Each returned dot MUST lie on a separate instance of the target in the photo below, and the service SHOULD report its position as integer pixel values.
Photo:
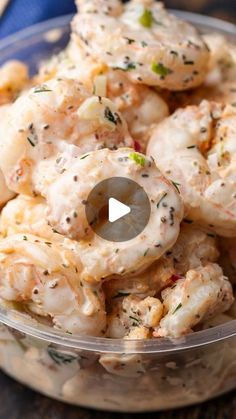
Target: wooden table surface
(18, 402)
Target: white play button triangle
(117, 210)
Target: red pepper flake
(137, 146)
(175, 277)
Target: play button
(118, 209)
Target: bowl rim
(33, 329)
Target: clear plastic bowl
(117, 375)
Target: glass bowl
(99, 373)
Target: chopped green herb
(128, 67)
(41, 89)
(31, 142)
(84, 157)
(137, 321)
(138, 158)
(146, 19)
(110, 116)
(129, 40)
(177, 308)
(144, 44)
(61, 358)
(176, 185)
(160, 69)
(191, 146)
(146, 252)
(211, 235)
(55, 231)
(234, 104)
(189, 62)
(25, 238)
(163, 197)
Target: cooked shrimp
(13, 78)
(141, 38)
(26, 214)
(141, 284)
(219, 83)
(134, 318)
(49, 118)
(222, 62)
(202, 141)
(140, 105)
(45, 277)
(204, 292)
(68, 216)
(102, 258)
(193, 248)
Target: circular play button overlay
(118, 209)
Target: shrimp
(13, 78)
(68, 216)
(26, 214)
(219, 84)
(134, 318)
(102, 258)
(222, 62)
(141, 107)
(55, 116)
(45, 277)
(202, 141)
(142, 39)
(204, 293)
(193, 248)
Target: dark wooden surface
(18, 402)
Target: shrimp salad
(137, 93)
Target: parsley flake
(138, 158)
(163, 197)
(128, 67)
(146, 19)
(42, 89)
(160, 69)
(31, 142)
(176, 185)
(110, 116)
(177, 308)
